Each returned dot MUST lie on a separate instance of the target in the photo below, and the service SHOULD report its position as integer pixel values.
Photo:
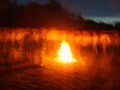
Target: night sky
(99, 10)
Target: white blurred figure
(104, 41)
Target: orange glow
(65, 54)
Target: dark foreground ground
(61, 77)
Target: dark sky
(89, 8)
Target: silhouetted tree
(52, 14)
(7, 10)
(117, 26)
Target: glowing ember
(65, 54)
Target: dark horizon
(51, 14)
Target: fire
(65, 54)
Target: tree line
(51, 14)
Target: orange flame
(65, 54)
